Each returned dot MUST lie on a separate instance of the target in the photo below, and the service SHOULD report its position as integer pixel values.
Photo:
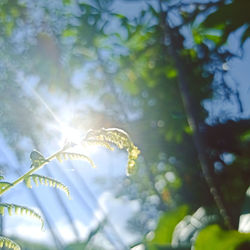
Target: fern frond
(118, 137)
(47, 181)
(74, 156)
(98, 143)
(113, 135)
(6, 242)
(20, 210)
(3, 184)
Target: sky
(238, 78)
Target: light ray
(68, 133)
(48, 108)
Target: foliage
(166, 225)
(135, 71)
(117, 136)
(29, 245)
(121, 139)
(74, 156)
(21, 210)
(228, 18)
(47, 181)
(219, 239)
(5, 242)
(153, 83)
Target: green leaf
(74, 156)
(20, 210)
(213, 237)
(4, 184)
(98, 143)
(202, 33)
(166, 225)
(228, 18)
(6, 242)
(69, 33)
(119, 138)
(171, 72)
(120, 16)
(245, 137)
(216, 39)
(66, 2)
(27, 182)
(198, 39)
(44, 180)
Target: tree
(174, 80)
(152, 76)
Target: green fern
(74, 156)
(98, 143)
(20, 210)
(3, 184)
(103, 137)
(6, 242)
(118, 137)
(47, 181)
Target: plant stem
(31, 171)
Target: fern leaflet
(118, 137)
(20, 210)
(6, 242)
(3, 184)
(74, 156)
(47, 181)
(98, 143)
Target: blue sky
(238, 78)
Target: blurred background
(174, 75)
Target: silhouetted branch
(193, 119)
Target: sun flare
(75, 136)
(70, 135)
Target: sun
(75, 136)
(70, 135)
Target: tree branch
(192, 117)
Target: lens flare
(70, 135)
